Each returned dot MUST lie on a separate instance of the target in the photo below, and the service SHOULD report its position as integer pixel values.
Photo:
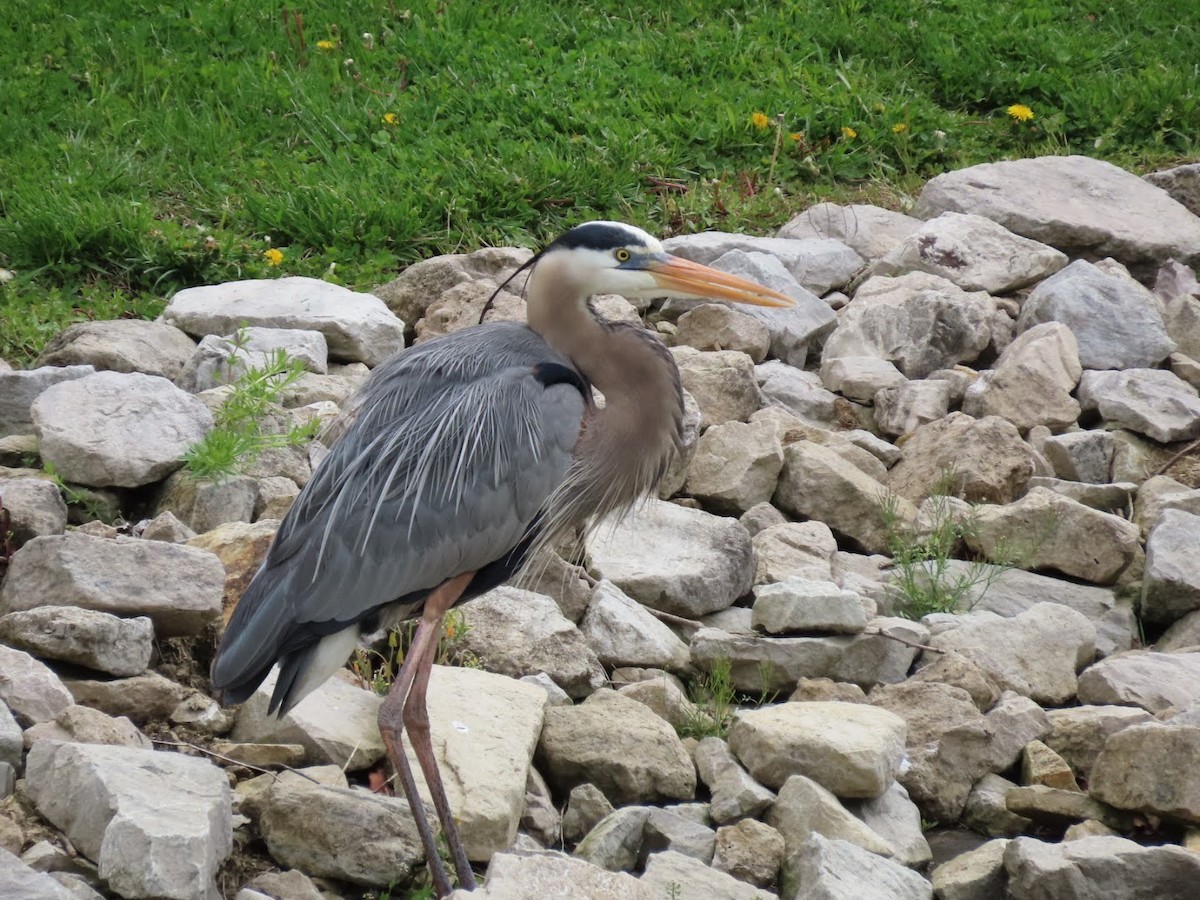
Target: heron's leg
(390, 727)
(416, 723)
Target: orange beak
(673, 273)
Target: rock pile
(783, 677)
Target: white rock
(18, 880)
(722, 383)
(716, 327)
(871, 231)
(30, 688)
(905, 407)
(860, 378)
(802, 605)
(518, 877)
(819, 263)
(804, 808)
(1171, 584)
(675, 875)
(622, 633)
(897, 820)
(838, 870)
(1153, 402)
(1032, 381)
(21, 387)
(735, 466)
(1097, 867)
(798, 392)
(1154, 681)
(82, 636)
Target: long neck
(625, 447)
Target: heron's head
(614, 258)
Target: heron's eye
(622, 255)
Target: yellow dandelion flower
(899, 128)
(273, 257)
(849, 133)
(326, 45)
(1020, 112)
(797, 136)
(759, 120)
(390, 118)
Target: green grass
(151, 146)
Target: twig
(670, 619)
(229, 759)
(905, 641)
(1178, 456)
(661, 184)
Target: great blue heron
(462, 456)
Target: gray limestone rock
(896, 819)
(1153, 402)
(826, 869)
(30, 689)
(870, 231)
(615, 842)
(750, 851)
(21, 881)
(139, 698)
(1081, 456)
(1031, 383)
(19, 388)
(586, 806)
(358, 327)
(35, 508)
(716, 327)
(986, 810)
(113, 429)
(820, 264)
(735, 466)
(1171, 584)
(722, 382)
(800, 605)
(158, 824)
(763, 664)
(687, 878)
(1145, 678)
(1079, 733)
(84, 637)
(111, 576)
(1149, 768)
(735, 795)
(1181, 182)
(1098, 867)
(905, 407)
(975, 875)
(794, 550)
(804, 808)
(223, 360)
(860, 378)
(121, 345)
(621, 632)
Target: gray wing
(453, 449)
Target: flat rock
(820, 264)
(113, 429)
(670, 874)
(1153, 402)
(223, 360)
(871, 231)
(804, 808)
(615, 842)
(797, 392)
(1082, 206)
(905, 407)
(1097, 867)
(621, 632)
(157, 824)
(139, 698)
(681, 561)
(975, 253)
(850, 749)
(84, 725)
(802, 605)
(205, 504)
(419, 285)
(1031, 383)
(1080, 456)
(975, 875)
(1056, 808)
(918, 321)
(358, 327)
(336, 723)
(84, 637)
(1148, 768)
(826, 869)
(763, 664)
(1115, 320)
(516, 632)
(20, 387)
(860, 378)
(669, 830)
(794, 550)
(1171, 584)
(1036, 653)
(1148, 679)
(121, 345)
(513, 876)
(618, 745)
(241, 548)
(1045, 530)
(29, 688)
(1181, 182)
(112, 576)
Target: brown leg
(392, 716)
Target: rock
(1082, 206)
(1153, 402)
(1031, 383)
(618, 745)
(515, 632)
(332, 832)
(804, 808)
(512, 877)
(1154, 681)
(358, 327)
(975, 253)
(1036, 653)
(36, 508)
(1160, 493)
(140, 698)
(290, 885)
(21, 881)
(1114, 319)
(21, 387)
(870, 231)
(1045, 530)
(760, 517)
(896, 819)
(959, 671)
(989, 461)
(1015, 723)
(792, 332)
(975, 875)
(715, 327)
(905, 407)
(1171, 584)
(750, 851)
(117, 430)
(423, 282)
(205, 715)
(826, 869)
(1082, 456)
(268, 756)
(822, 689)
(668, 830)
(241, 548)
(205, 503)
(1052, 808)
(616, 840)
(919, 322)
(1042, 766)
(586, 806)
(121, 345)
(276, 495)
(668, 701)
(1097, 867)
(336, 723)
(948, 744)
(111, 576)
(1113, 497)
(765, 664)
(722, 383)
(850, 749)
(462, 305)
(818, 483)
(672, 874)
(860, 378)
(81, 636)
(540, 820)
(1147, 768)
(986, 810)
(818, 264)
(622, 633)
(84, 725)
(802, 605)
(158, 824)
(1080, 732)
(29, 688)
(794, 550)
(789, 390)
(223, 360)
(735, 466)
(735, 795)
(1182, 183)
(681, 561)
(166, 527)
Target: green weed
(713, 696)
(378, 668)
